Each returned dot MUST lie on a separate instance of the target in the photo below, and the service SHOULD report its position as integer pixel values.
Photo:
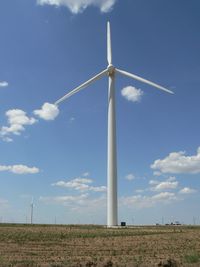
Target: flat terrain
(65, 245)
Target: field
(73, 245)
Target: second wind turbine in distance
(111, 71)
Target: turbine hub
(111, 69)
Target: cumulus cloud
(130, 177)
(170, 183)
(19, 117)
(80, 184)
(78, 6)
(164, 196)
(139, 201)
(84, 202)
(3, 84)
(7, 139)
(157, 173)
(16, 120)
(47, 112)
(171, 178)
(153, 182)
(19, 169)
(132, 94)
(86, 174)
(166, 185)
(178, 162)
(65, 200)
(79, 203)
(140, 190)
(187, 190)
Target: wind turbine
(31, 215)
(111, 71)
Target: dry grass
(59, 246)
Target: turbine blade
(135, 77)
(80, 87)
(109, 47)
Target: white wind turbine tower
(31, 215)
(111, 71)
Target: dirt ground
(77, 246)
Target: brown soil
(59, 246)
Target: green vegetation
(47, 232)
(193, 257)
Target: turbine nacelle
(110, 69)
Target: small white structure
(111, 71)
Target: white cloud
(47, 112)
(153, 182)
(156, 173)
(130, 177)
(16, 119)
(171, 178)
(84, 202)
(166, 185)
(80, 184)
(164, 196)
(19, 117)
(170, 183)
(187, 190)
(65, 200)
(12, 129)
(86, 174)
(140, 190)
(78, 6)
(139, 201)
(7, 139)
(79, 203)
(19, 169)
(3, 84)
(178, 162)
(91, 205)
(101, 188)
(106, 5)
(132, 94)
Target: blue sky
(57, 155)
